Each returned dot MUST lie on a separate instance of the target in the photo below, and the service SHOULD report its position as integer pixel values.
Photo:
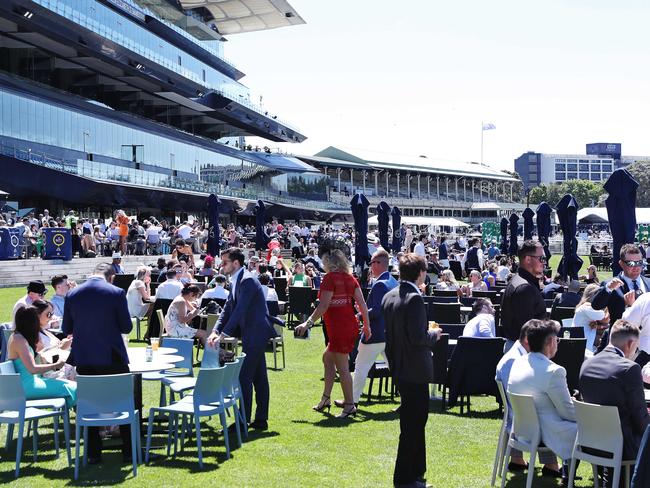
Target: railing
(405, 202)
(90, 169)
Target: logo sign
(211, 232)
(58, 240)
(15, 242)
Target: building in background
(596, 165)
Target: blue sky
(418, 77)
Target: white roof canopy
(237, 16)
(600, 213)
(435, 221)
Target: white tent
(434, 221)
(599, 214)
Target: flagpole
(482, 142)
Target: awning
(595, 215)
(434, 221)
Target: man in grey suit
(408, 346)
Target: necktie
(636, 286)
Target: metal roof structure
(435, 221)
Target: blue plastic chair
(106, 400)
(15, 410)
(6, 334)
(178, 385)
(184, 369)
(207, 400)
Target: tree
(538, 194)
(587, 193)
(641, 172)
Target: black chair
(274, 308)
(153, 286)
(445, 293)
(381, 371)
(571, 354)
(472, 368)
(454, 331)
(153, 325)
(444, 313)
(202, 279)
(491, 294)
(437, 299)
(280, 285)
(561, 313)
(440, 356)
(467, 301)
(548, 302)
(455, 268)
(301, 302)
(220, 301)
(123, 281)
(574, 332)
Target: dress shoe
(516, 467)
(551, 473)
(341, 404)
(259, 425)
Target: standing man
(370, 349)
(96, 313)
(522, 299)
(621, 291)
(473, 258)
(245, 315)
(408, 346)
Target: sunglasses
(634, 264)
(542, 259)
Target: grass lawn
(302, 448)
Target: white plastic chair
(599, 427)
(525, 433)
(567, 322)
(207, 400)
(275, 342)
(15, 410)
(106, 400)
(499, 456)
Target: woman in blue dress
(21, 349)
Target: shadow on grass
(435, 406)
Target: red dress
(340, 320)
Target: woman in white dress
(592, 321)
(139, 293)
(181, 312)
(447, 281)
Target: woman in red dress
(336, 307)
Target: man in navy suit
(245, 315)
(620, 292)
(96, 313)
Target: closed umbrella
(396, 214)
(213, 225)
(567, 213)
(261, 239)
(621, 211)
(383, 216)
(360, 204)
(544, 211)
(514, 231)
(504, 236)
(528, 223)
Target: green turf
(302, 448)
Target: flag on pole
(488, 126)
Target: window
(595, 176)
(560, 167)
(607, 167)
(571, 176)
(583, 160)
(584, 176)
(532, 167)
(532, 158)
(203, 75)
(595, 168)
(560, 176)
(584, 167)
(560, 160)
(572, 167)
(180, 61)
(571, 160)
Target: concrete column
(408, 185)
(387, 177)
(438, 187)
(512, 185)
(456, 183)
(465, 190)
(338, 173)
(473, 188)
(418, 185)
(447, 186)
(363, 175)
(398, 183)
(376, 184)
(352, 181)
(428, 186)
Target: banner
(491, 231)
(57, 243)
(10, 242)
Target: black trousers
(411, 463)
(94, 441)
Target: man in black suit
(612, 378)
(522, 299)
(408, 347)
(569, 298)
(620, 292)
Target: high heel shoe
(348, 412)
(323, 404)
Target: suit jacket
(534, 374)
(566, 299)
(245, 314)
(522, 300)
(610, 379)
(408, 338)
(614, 300)
(383, 285)
(96, 313)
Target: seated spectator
(554, 287)
(47, 340)
(504, 269)
(612, 378)
(62, 286)
(592, 276)
(434, 266)
(181, 312)
(253, 263)
(99, 239)
(475, 283)
(536, 375)
(274, 253)
(21, 350)
(281, 269)
(216, 289)
(183, 252)
(171, 287)
(207, 269)
(35, 291)
(313, 258)
(569, 298)
(482, 325)
(138, 295)
(592, 321)
(116, 264)
(298, 277)
(490, 276)
(270, 294)
(447, 281)
(186, 276)
(313, 274)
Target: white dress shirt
(233, 281)
(639, 315)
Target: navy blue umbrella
(514, 231)
(528, 223)
(621, 211)
(544, 212)
(383, 216)
(396, 214)
(567, 213)
(504, 236)
(261, 239)
(213, 229)
(360, 204)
